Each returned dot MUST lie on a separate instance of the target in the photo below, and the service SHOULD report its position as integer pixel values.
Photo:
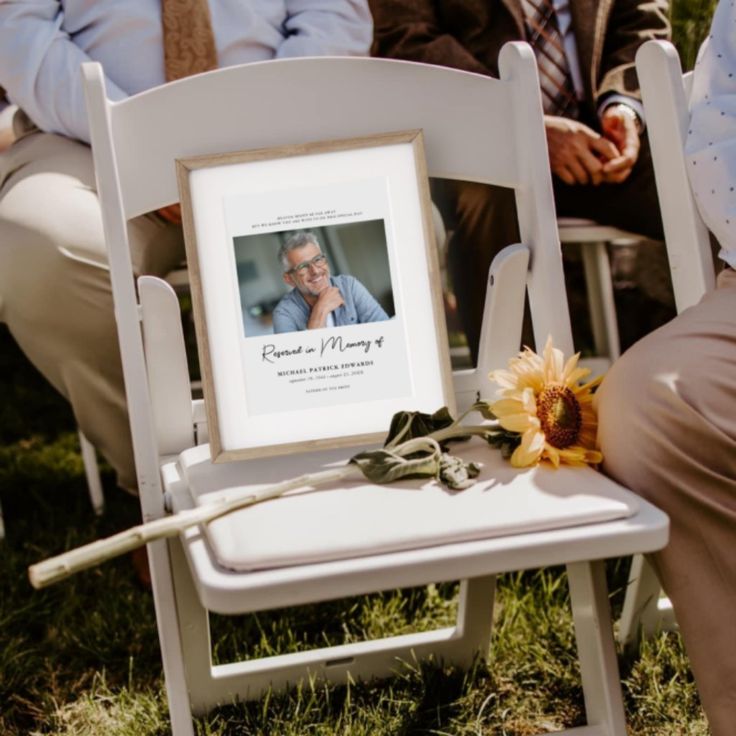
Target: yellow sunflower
(543, 401)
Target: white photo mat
(269, 392)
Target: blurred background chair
(595, 241)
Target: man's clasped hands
(580, 155)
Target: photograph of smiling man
(318, 299)
(315, 278)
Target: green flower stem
(428, 443)
(456, 431)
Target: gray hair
(297, 240)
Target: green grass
(690, 24)
(81, 658)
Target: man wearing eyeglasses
(318, 299)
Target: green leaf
(456, 473)
(406, 455)
(384, 466)
(406, 425)
(484, 409)
(417, 458)
(504, 440)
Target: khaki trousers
(667, 429)
(55, 290)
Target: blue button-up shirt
(292, 312)
(44, 42)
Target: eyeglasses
(318, 262)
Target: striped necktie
(543, 33)
(189, 42)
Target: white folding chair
(666, 93)
(475, 128)
(594, 238)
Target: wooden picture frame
(286, 365)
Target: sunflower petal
(529, 451)
(571, 367)
(577, 455)
(518, 422)
(529, 401)
(553, 362)
(504, 407)
(504, 379)
(552, 454)
(575, 376)
(588, 387)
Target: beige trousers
(55, 291)
(667, 429)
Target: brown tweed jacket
(468, 35)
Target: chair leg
(644, 611)
(163, 562)
(92, 473)
(604, 705)
(600, 298)
(194, 629)
(474, 619)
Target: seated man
(598, 153)
(55, 293)
(667, 409)
(318, 299)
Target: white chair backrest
(666, 93)
(475, 128)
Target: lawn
(82, 658)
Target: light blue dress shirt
(43, 43)
(359, 306)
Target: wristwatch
(630, 112)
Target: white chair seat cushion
(360, 518)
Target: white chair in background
(594, 239)
(475, 128)
(92, 474)
(666, 93)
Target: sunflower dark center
(559, 414)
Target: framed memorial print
(316, 293)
